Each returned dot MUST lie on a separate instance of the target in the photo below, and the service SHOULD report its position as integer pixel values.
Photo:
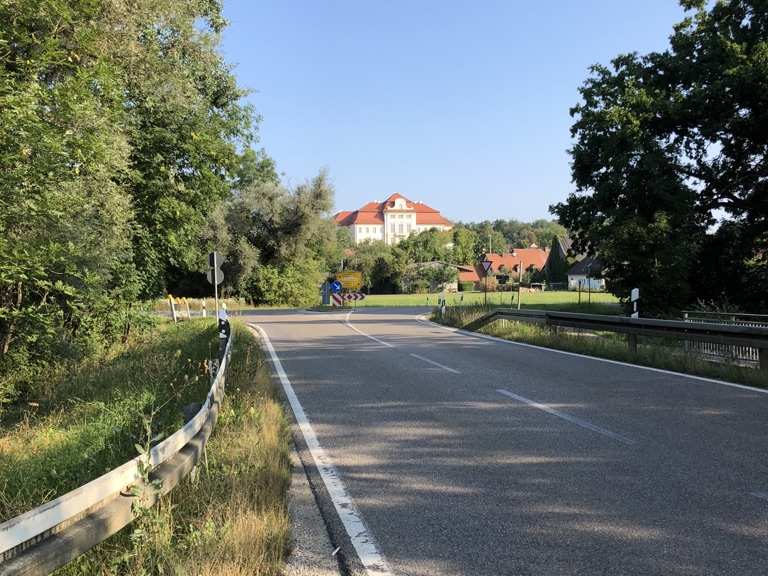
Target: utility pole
(519, 283)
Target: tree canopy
(126, 154)
(669, 160)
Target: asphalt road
(474, 457)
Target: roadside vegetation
(127, 154)
(85, 418)
(654, 352)
(601, 302)
(230, 517)
(669, 166)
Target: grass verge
(653, 352)
(601, 302)
(86, 418)
(230, 517)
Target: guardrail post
(763, 359)
(551, 325)
(632, 342)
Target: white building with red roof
(391, 220)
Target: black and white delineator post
(634, 299)
(224, 328)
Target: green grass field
(563, 300)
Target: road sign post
(486, 268)
(215, 276)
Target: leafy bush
(295, 285)
(466, 286)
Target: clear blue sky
(462, 105)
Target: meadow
(597, 302)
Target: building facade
(390, 221)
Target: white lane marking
(346, 320)
(761, 495)
(443, 366)
(566, 417)
(422, 318)
(387, 344)
(362, 538)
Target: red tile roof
(342, 217)
(535, 257)
(373, 213)
(468, 274)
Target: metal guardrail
(736, 354)
(51, 535)
(725, 334)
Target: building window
(392, 228)
(400, 228)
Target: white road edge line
(567, 417)
(362, 539)
(428, 361)
(761, 495)
(422, 318)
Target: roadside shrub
(491, 282)
(295, 285)
(466, 286)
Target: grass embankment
(654, 352)
(601, 302)
(87, 417)
(231, 517)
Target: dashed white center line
(567, 417)
(443, 366)
(388, 345)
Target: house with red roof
(391, 220)
(510, 263)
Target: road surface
(469, 456)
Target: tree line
(127, 153)
(392, 269)
(670, 162)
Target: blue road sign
(335, 286)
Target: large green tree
(120, 131)
(666, 142)
(274, 240)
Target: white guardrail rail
(34, 526)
